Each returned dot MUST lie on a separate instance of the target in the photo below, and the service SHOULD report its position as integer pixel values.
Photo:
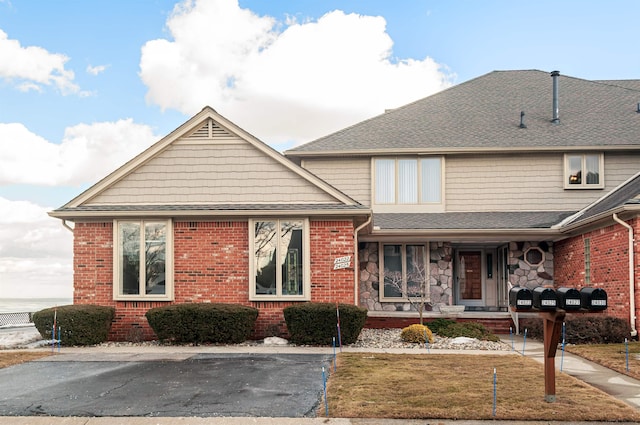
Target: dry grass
(612, 356)
(10, 358)
(368, 385)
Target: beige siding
(519, 182)
(223, 170)
(350, 176)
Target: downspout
(632, 286)
(64, 223)
(356, 263)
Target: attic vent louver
(556, 110)
(522, 124)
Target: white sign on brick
(342, 262)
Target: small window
(534, 256)
(404, 272)
(587, 261)
(280, 259)
(584, 171)
(143, 255)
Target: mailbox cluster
(548, 299)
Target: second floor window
(408, 180)
(583, 171)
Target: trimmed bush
(468, 329)
(583, 329)
(198, 323)
(416, 333)
(439, 323)
(316, 323)
(81, 324)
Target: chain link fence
(15, 318)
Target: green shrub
(584, 329)
(202, 323)
(439, 323)
(81, 324)
(468, 329)
(316, 323)
(416, 333)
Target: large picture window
(584, 171)
(280, 259)
(143, 266)
(408, 181)
(404, 271)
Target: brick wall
(609, 264)
(211, 264)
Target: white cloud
(35, 252)
(87, 153)
(282, 80)
(95, 70)
(32, 67)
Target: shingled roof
(626, 195)
(483, 114)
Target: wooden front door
(470, 282)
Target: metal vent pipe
(556, 109)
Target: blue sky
(86, 85)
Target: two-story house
(478, 186)
(515, 178)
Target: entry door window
(470, 276)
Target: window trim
(306, 263)
(583, 184)
(169, 278)
(403, 254)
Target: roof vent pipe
(522, 124)
(638, 110)
(556, 111)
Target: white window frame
(169, 254)
(583, 184)
(403, 253)
(306, 263)
(421, 204)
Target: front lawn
(460, 386)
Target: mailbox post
(551, 306)
(552, 327)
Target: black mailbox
(544, 298)
(594, 298)
(520, 298)
(569, 298)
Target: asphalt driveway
(205, 385)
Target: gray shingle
(211, 208)
(484, 113)
(472, 221)
(629, 193)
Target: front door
(469, 276)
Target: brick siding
(609, 264)
(211, 264)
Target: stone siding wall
(440, 278)
(531, 264)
